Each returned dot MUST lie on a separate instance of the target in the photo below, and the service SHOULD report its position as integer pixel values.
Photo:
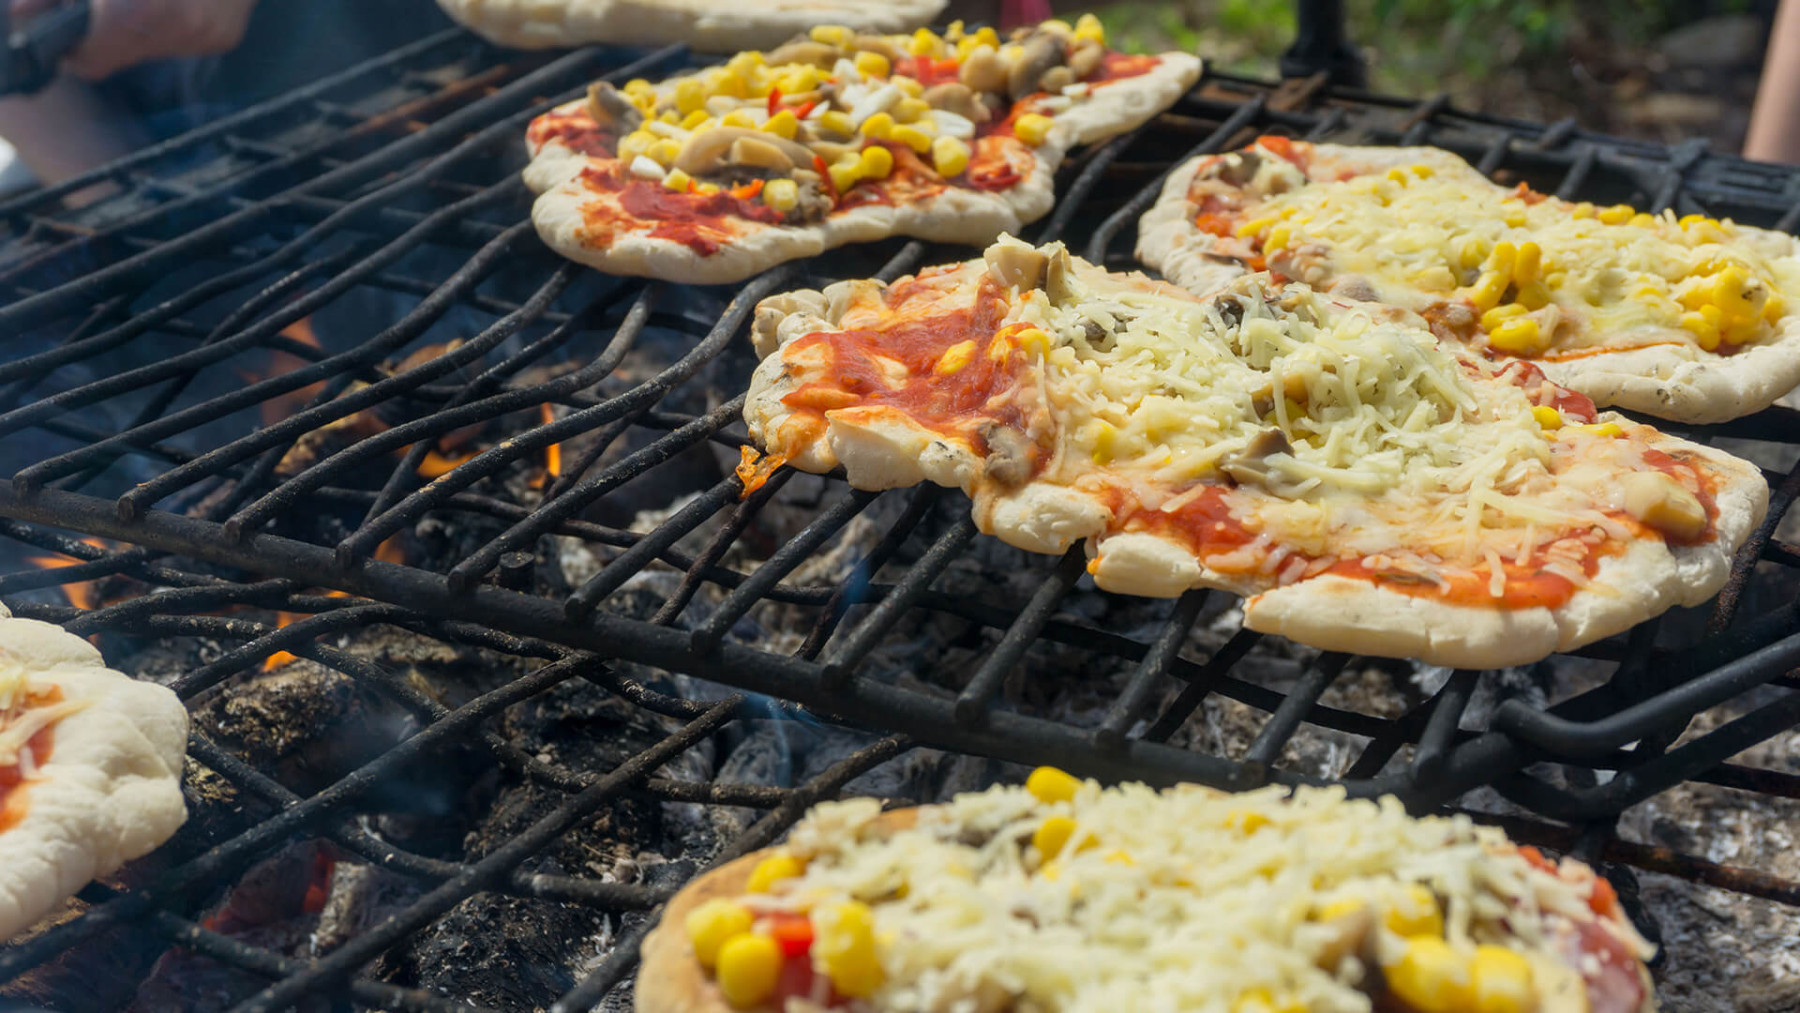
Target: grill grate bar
(652, 546)
(972, 703)
(1200, 683)
(1155, 665)
(1440, 727)
(919, 502)
(1282, 724)
(842, 661)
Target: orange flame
(282, 405)
(552, 453)
(280, 658)
(389, 551)
(81, 594)
(434, 464)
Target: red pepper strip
(807, 107)
(748, 191)
(825, 176)
(793, 932)
(774, 100)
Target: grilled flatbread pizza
(710, 26)
(1061, 896)
(1691, 319)
(1367, 485)
(90, 768)
(833, 138)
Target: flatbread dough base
(712, 26)
(111, 790)
(879, 448)
(953, 215)
(1673, 380)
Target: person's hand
(124, 33)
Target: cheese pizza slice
(1691, 319)
(90, 768)
(1061, 896)
(1367, 485)
(833, 138)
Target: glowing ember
(282, 405)
(81, 594)
(435, 464)
(552, 453)
(389, 551)
(280, 658)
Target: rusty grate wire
(395, 185)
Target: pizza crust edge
(111, 791)
(718, 26)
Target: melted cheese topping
(1593, 276)
(1183, 899)
(20, 718)
(1389, 443)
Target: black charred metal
(383, 206)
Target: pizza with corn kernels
(1691, 319)
(1061, 896)
(1368, 486)
(835, 137)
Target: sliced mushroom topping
(1349, 933)
(982, 70)
(1057, 276)
(1008, 454)
(1354, 286)
(816, 54)
(1041, 52)
(759, 154)
(610, 109)
(840, 295)
(1250, 466)
(1238, 168)
(877, 44)
(956, 97)
(705, 150)
(772, 311)
(1056, 79)
(1086, 57)
(1231, 308)
(1017, 266)
(1097, 336)
(1663, 504)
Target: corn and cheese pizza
(1691, 319)
(1369, 486)
(833, 138)
(711, 26)
(90, 768)
(1063, 896)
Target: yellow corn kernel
(1607, 429)
(783, 124)
(638, 86)
(846, 172)
(664, 152)
(1416, 915)
(1547, 417)
(1501, 259)
(1534, 296)
(912, 137)
(706, 189)
(908, 110)
(1278, 238)
(878, 126)
(875, 162)
(1033, 340)
(1502, 981)
(781, 194)
(1261, 1000)
(749, 966)
(1689, 221)
(1048, 784)
(690, 95)
(1515, 216)
(845, 945)
(1032, 128)
(1773, 308)
(738, 118)
(1088, 27)
(711, 924)
(1052, 835)
(803, 77)
(1399, 175)
(1582, 210)
(634, 144)
(1705, 332)
(1246, 822)
(694, 119)
(1432, 977)
(909, 87)
(836, 121)
(1051, 871)
(1253, 226)
(1519, 335)
(772, 870)
(744, 64)
(1505, 311)
(1338, 909)
(1528, 263)
(1642, 220)
(832, 35)
(949, 156)
(1119, 857)
(872, 64)
(1423, 171)
(677, 180)
(956, 356)
(925, 42)
(1488, 289)
(1618, 214)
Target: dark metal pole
(1320, 45)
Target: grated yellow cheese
(19, 721)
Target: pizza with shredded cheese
(712, 26)
(90, 768)
(1063, 896)
(832, 138)
(1691, 318)
(1369, 486)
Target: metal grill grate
(386, 201)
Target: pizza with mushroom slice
(1692, 319)
(1063, 896)
(833, 138)
(90, 768)
(1368, 486)
(711, 26)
